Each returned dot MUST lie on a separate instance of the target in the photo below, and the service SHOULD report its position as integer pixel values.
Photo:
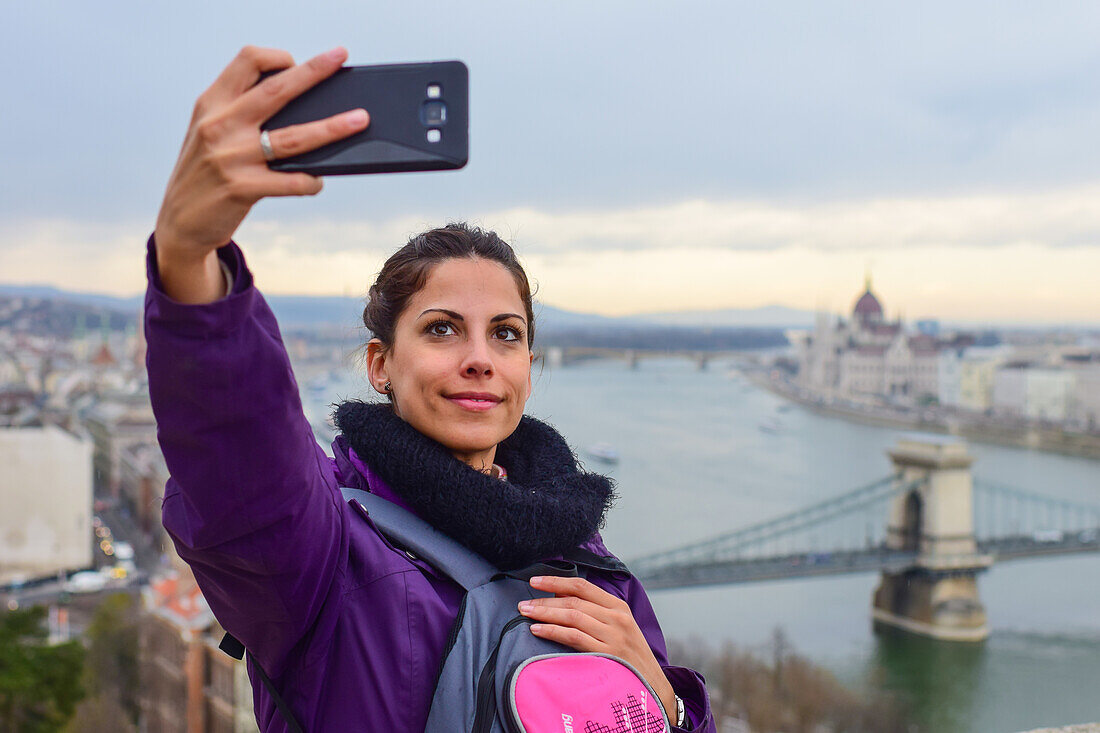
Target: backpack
(495, 675)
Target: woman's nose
(478, 358)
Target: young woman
(350, 631)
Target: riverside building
(867, 356)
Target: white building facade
(1084, 406)
(46, 485)
(1039, 393)
(867, 356)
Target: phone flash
(434, 136)
(435, 91)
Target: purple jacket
(351, 631)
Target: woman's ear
(376, 365)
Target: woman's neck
(480, 461)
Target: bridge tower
(937, 595)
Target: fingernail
(357, 116)
(537, 580)
(536, 628)
(525, 606)
(337, 53)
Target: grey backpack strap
(410, 532)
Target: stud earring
(387, 387)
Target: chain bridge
(929, 528)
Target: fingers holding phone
(263, 99)
(292, 140)
(241, 75)
(314, 122)
(222, 171)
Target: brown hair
(407, 269)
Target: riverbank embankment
(977, 428)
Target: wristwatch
(679, 712)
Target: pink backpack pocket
(581, 693)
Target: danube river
(694, 463)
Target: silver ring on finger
(265, 145)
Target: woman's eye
(507, 333)
(441, 328)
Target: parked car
(86, 581)
(124, 551)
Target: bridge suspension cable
(728, 546)
(1003, 511)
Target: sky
(641, 157)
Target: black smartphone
(418, 119)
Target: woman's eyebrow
(506, 316)
(458, 317)
(452, 314)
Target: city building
(1084, 406)
(976, 375)
(867, 356)
(1029, 391)
(966, 376)
(115, 424)
(46, 483)
(142, 477)
(188, 684)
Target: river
(695, 463)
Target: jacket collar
(547, 507)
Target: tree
(100, 713)
(39, 683)
(779, 690)
(111, 666)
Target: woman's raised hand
(221, 171)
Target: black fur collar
(546, 507)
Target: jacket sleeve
(252, 504)
(688, 684)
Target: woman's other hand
(221, 171)
(589, 619)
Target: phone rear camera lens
(433, 113)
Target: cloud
(77, 255)
(1023, 283)
(995, 256)
(1066, 217)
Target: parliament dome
(868, 306)
(867, 309)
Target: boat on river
(604, 452)
(771, 426)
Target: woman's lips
(475, 402)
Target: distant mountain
(549, 318)
(45, 315)
(297, 310)
(49, 292)
(769, 316)
(303, 311)
(291, 310)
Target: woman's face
(459, 365)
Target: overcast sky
(640, 156)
